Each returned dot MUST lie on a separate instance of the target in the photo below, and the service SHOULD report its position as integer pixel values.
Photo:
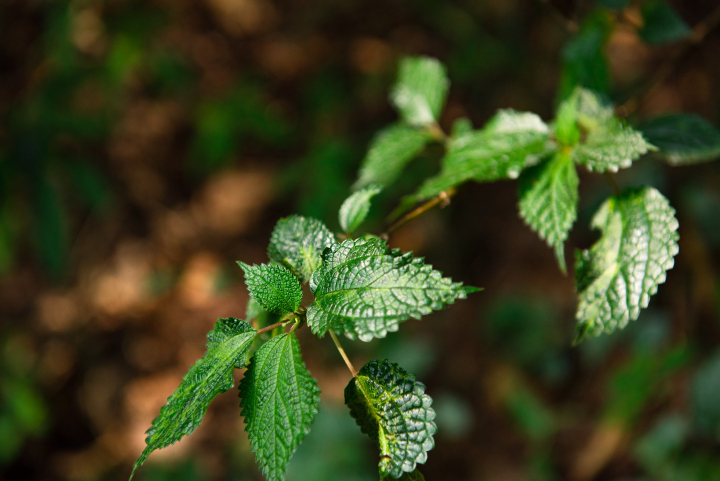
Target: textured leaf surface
(393, 409)
(420, 91)
(510, 142)
(279, 402)
(683, 138)
(662, 24)
(549, 200)
(356, 207)
(298, 242)
(365, 290)
(616, 277)
(227, 348)
(609, 144)
(273, 286)
(390, 151)
(414, 476)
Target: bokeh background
(147, 145)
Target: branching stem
(342, 353)
(442, 199)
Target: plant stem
(610, 178)
(272, 326)
(443, 199)
(342, 353)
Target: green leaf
(227, 348)
(585, 63)
(390, 151)
(420, 91)
(273, 286)
(682, 138)
(510, 142)
(365, 289)
(414, 476)
(298, 242)
(616, 277)
(609, 145)
(279, 402)
(356, 207)
(549, 200)
(393, 409)
(566, 128)
(662, 24)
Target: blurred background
(147, 145)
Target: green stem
(442, 199)
(342, 353)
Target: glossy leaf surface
(616, 277)
(510, 142)
(356, 207)
(390, 151)
(279, 402)
(227, 348)
(394, 411)
(549, 200)
(365, 290)
(273, 286)
(298, 242)
(420, 91)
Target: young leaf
(390, 151)
(279, 402)
(414, 476)
(420, 91)
(682, 138)
(549, 200)
(609, 144)
(616, 276)
(273, 286)
(365, 289)
(298, 242)
(585, 63)
(662, 24)
(510, 142)
(356, 207)
(227, 348)
(393, 409)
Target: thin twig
(442, 199)
(342, 353)
(667, 68)
(272, 326)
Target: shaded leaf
(393, 409)
(356, 207)
(390, 151)
(616, 277)
(585, 62)
(609, 144)
(549, 200)
(279, 402)
(273, 286)
(661, 23)
(510, 142)
(414, 476)
(682, 138)
(298, 242)
(420, 91)
(227, 348)
(365, 290)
